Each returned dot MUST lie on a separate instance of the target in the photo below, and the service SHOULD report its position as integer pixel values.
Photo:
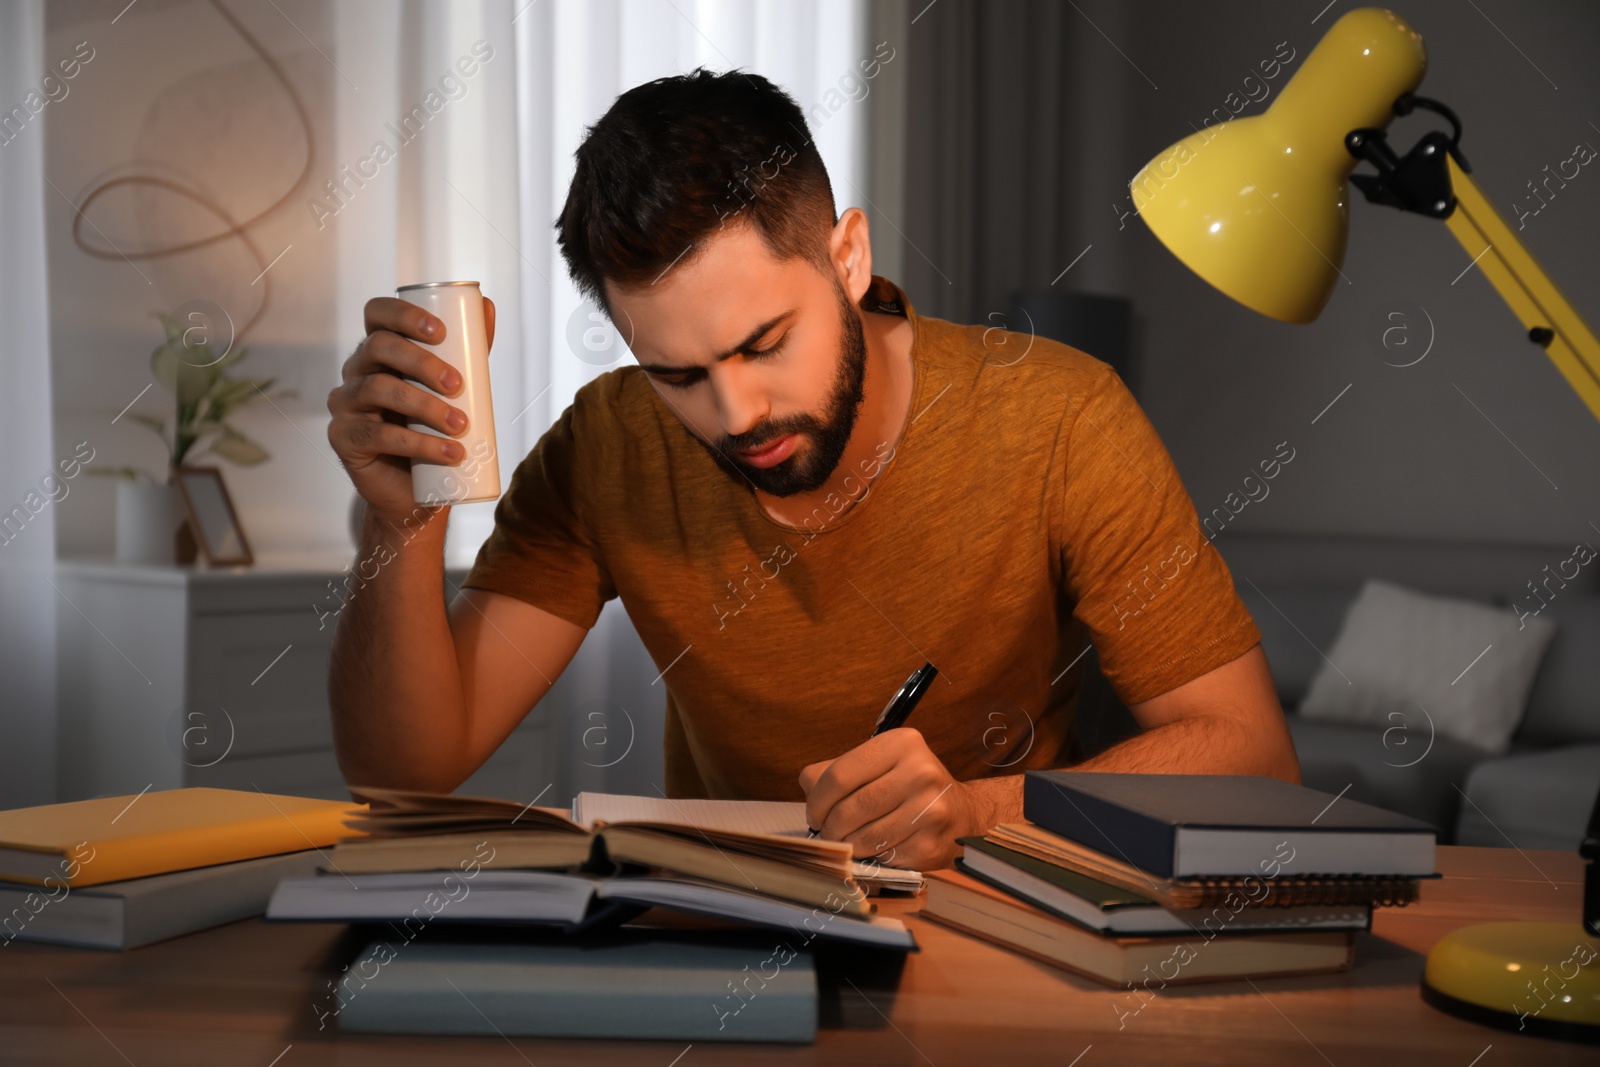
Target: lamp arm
(1532, 296)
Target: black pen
(895, 713)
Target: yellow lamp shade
(1259, 207)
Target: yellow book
(108, 839)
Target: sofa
(1539, 792)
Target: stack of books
(535, 909)
(120, 872)
(496, 861)
(1134, 879)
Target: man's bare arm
(420, 698)
(1227, 721)
(394, 684)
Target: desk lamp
(1258, 207)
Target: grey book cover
(138, 911)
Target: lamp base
(1528, 977)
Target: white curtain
(481, 199)
(473, 195)
(574, 57)
(577, 56)
(481, 203)
(30, 482)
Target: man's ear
(850, 249)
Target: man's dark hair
(675, 159)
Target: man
(803, 491)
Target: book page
(784, 818)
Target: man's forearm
(1202, 745)
(394, 684)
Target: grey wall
(1481, 441)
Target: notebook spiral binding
(1325, 890)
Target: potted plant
(151, 526)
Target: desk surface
(243, 994)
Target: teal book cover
(631, 984)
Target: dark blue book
(1231, 826)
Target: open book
(574, 900)
(772, 817)
(742, 844)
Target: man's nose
(740, 398)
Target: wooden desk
(242, 994)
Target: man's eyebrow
(754, 336)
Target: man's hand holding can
(397, 380)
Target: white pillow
(1468, 665)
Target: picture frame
(212, 518)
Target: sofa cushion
(1466, 665)
(1400, 767)
(1541, 800)
(1564, 707)
(1295, 621)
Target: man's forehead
(719, 260)
(696, 325)
(664, 353)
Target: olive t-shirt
(1027, 509)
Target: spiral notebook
(1282, 891)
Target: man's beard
(807, 469)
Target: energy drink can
(459, 305)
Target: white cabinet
(188, 676)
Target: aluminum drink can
(459, 305)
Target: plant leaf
(171, 326)
(193, 383)
(239, 449)
(232, 356)
(236, 393)
(164, 364)
(202, 429)
(153, 423)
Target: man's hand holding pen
(894, 801)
